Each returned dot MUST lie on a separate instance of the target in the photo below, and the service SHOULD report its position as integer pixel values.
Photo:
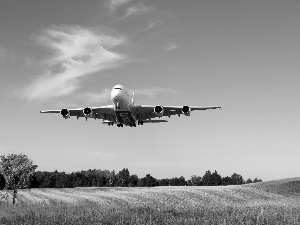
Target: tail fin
(133, 98)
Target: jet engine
(87, 112)
(65, 113)
(186, 110)
(159, 110)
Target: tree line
(18, 171)
(106, 178)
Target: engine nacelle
(186, 110)
(159, 110)
(88, 112)
(65, 113)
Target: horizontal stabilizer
(155, 121)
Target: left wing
(152, 111)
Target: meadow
(274, 202)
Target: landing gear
(132, 125)
(110, 123)
(120, 125)
(140, 122)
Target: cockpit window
(118, 88)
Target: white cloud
(154, 91)
(150, 25)
(171, 46)
(5, 54)
(137, 9)
(79, 52)
(114, 4)
(102, 96)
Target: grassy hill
(273, 202)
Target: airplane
(125, 112)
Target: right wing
(155, 121)
(102, 112)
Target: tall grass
(266, 203)
(88, 212)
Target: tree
(17, 171)
(237, 179)
(2, 182)
(195, 181)
(227, 181)
(133, 180)
(206, 179)
(112, 179)
(123, 177)
(164, 182)
(148, 181)
(216, 179)
(249, 181)
(257, 180)
(175, 181)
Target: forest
(106, 178)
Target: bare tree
(17, 171)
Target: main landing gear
(120, 125)
(140, 122)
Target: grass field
(275, 202)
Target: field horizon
(271, 190)
(275, 201)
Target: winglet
(133, 98)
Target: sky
(241, 55)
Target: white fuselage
(120, 98)
(122, 102)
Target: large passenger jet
(125, 112)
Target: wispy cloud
(100, 97)
(114, 4)
(171, 46)
(154, 91)
(150, 25)
(137, 9)
(5, 54)
(79, 52)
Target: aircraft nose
(114, 94)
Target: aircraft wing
(155, 121)
(172, 108)
(96, 112)
(148, 111)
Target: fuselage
(122, 106)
